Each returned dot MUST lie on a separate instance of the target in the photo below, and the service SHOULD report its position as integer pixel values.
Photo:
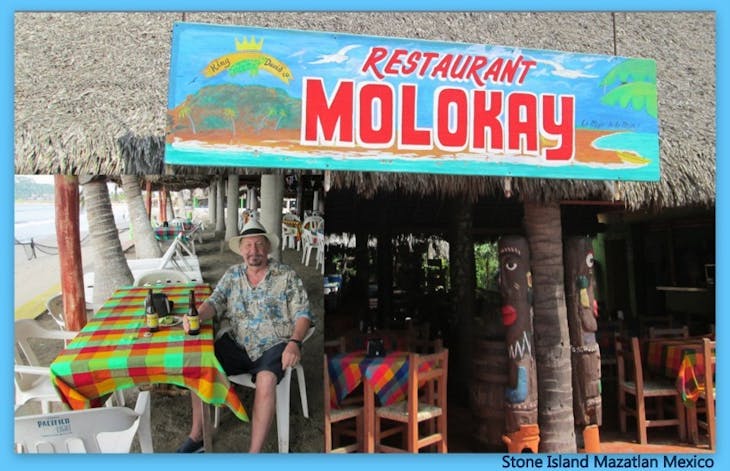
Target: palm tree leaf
(636, 69)
(640, 95)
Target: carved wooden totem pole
(515, 285)
(585, 355)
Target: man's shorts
(235, 360)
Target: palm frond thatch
(91, 91)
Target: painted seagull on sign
(338, 57)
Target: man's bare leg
(196, 430)
(264, 405)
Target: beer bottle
(151, 318)
(193, 319)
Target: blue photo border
(321, 461)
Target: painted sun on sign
(333, 101)
(248, 58)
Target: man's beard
(256, 260)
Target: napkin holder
(163, 304)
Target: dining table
(682, 361)
(384, 380)
(170, 232)
(115, 350)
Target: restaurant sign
(254, 97)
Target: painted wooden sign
(254, 97)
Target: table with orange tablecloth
(115, 351)
(683, 361)
(383, 378)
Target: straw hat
(251, 229)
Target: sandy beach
(38, 278)
(171, 408)
(37, 271)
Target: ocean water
(233, 156)
(36, 220)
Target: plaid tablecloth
(387, 375)
(112, 352)
(681, 361)
(169, 233)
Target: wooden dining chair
(707, 393)
(425, 403)
(336, 345)
(632, 382)
(338, 421)
(669, 332)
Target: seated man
(263, 314)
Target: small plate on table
(169, 321)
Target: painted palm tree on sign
(186, 112)
(145, 244)
(637, 79)
(231, 114)
(277, 112)
(110, 265)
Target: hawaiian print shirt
(262, 316)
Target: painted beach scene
(243, 96)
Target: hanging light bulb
(508, 187)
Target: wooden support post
(148, 199)
(163, 205)
(66, 190)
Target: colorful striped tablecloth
(112, 352)
(387, 375)
(681, 361)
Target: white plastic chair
(289, 231)
(102, 430)
(55, 309)
(313, 241)
(161, 278)
(32, 380)
(283, 394)
(313, 223)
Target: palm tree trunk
(463, 276)
(552, 340)
(110, 266)
(145, 244)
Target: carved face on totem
(515, 285)
(515, 281)
(584, 283)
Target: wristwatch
(298, 342)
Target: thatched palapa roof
(91, 91)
